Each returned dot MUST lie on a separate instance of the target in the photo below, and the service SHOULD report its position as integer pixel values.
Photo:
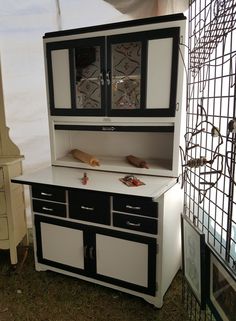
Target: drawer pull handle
(45, 194)
(133, 207)
(47, 209)
(91, 254)
(133, 224)
(85, 251)
(87, 208)
(110, 128)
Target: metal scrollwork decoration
(207, 168)
(210, 31)
(231, 154)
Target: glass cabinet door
(124, 70)
(89, 78)
(126, 75)
(143, 72)
(76, 77)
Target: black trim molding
(117, 25)
(163, 129)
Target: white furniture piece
(113, 90)
(13, 227)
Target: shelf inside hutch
(112, 147)
(119, 164)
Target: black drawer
(137, 223)
(50, 208)
(135, 205)
(89, 206)
(49, 193)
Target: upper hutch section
(125, 69)
(116, 90)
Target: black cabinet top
(116, 25)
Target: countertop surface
(154, 186)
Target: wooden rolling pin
(138, 162)
(85, 158)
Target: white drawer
(1, 178)
(3, 208)
(3, 229)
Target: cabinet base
(156, 301)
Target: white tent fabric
(136, 8)
(22, 25)
(171, 6)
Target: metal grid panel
(208, 158)
(209, 155)
(192, 307)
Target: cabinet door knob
(101, 79)
(133, 224)
(108, 80)
(87, 208)
(133, 207)
(91, 253)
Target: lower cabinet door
(61, 244)
(123, 259)
(126, 260)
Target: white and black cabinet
(113, 90)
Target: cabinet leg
(13, 255)
(13, 249)
(25, 241)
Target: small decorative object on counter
(138, 162)
(84, 179)
(85, 158)
(131, 180)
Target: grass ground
(27, 295)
